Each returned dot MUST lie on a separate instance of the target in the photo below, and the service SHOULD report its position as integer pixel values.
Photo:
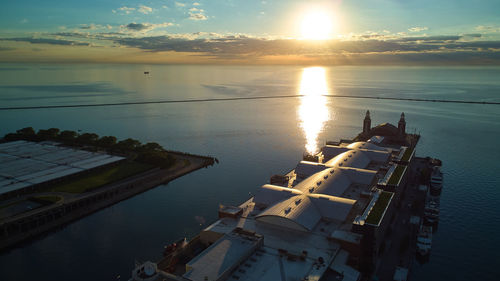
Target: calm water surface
(255, 139)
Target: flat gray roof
(220, 258)
(24, 163)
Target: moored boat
(436, 181)
(424, 240)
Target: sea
(254, 139)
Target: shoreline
(23, 227)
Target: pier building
(324, 219)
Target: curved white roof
(355, 159)
(367, 145)
(332, 207)
(330, 151)
(270, 194)
(305, 168)
(358, 158)
(293, 212)
(360, 175)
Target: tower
(402, 125)
(367, 123)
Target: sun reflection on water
(313, 112)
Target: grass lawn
(396, 175)
(379, 208)
(99, 178)
(407, 154)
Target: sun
(316, 25)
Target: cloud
(145, 9)
(197, 14)
(241, 46)
(488, 28)
(179, 4)
(418, 29)
(47, 41)
(126, 10)
(430, 38)
(144, 27)
(473, 35)
(370, 48)
(94, 26)
(196, 4)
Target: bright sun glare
(316, 26)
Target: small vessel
(424, 240)
(436, 181)
(431, 210)
(146, 72)
(174, 246)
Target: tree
(152, 146)
(12, 137)
(27, 133)
(106, 141)
(68, 136)
(50, 134)
(127, 145)
(87, 138)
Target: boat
(431, 210)
(146, 72)
(174, 246)
(424, 240)
(436, 181)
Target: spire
(367, 123)
(402, 124)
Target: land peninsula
(51, 177)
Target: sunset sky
(252, 32)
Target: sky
(335, 32)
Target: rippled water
(254, 139)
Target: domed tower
(367, 123)
(402, 125)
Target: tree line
(150, 153)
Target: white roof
(332, 207)
(220, 258)
(332, 181)
(367, 145)
(269, 194)
(310, 200)
(298, 210)
(305, 168)
(330, 151)
(358, 158)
